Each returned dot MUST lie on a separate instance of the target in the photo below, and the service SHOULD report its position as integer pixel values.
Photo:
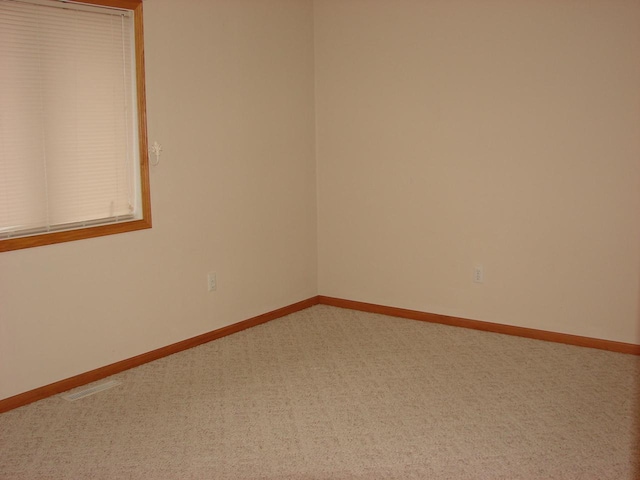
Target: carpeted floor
(328, 393)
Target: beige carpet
(328, 393)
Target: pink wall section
(230, 98)
(502, 133)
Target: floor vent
(85, 392)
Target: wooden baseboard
(103, 372)
(108, 370)
(600, 344)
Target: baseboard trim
(600, 344)
(108, 370)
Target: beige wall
(230, 98)
(500, 132)
(449, 133)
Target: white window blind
(68, 142)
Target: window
(73, 145)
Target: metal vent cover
(86, 391)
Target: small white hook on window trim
(155, 149)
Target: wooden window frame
(110, 229)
